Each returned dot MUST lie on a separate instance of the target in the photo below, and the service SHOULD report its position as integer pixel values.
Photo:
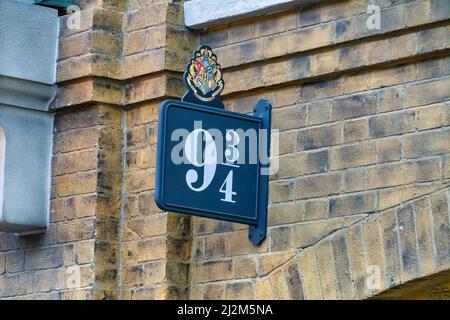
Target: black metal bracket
(257, 233)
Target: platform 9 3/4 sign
(211, 163)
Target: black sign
(212, 162)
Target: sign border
(161, 157)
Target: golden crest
(204, 75)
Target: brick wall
(363, 181)
(364, 156)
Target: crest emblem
(204, 75)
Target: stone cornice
(202, 14)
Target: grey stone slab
(200, 14)
(28, 41)
(25, 190)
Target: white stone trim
(201, 14)
(2, 167)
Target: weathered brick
(287, 142)
(357, 255)
(315, 209)
(278, 283)
(237, 243)
(389, 233)
(427, 69)
(53, 258)
(216, 38)
(294, 281)
(76, 140)
(280, 238)
(145, 227)
(151, 273)
(240, 32)
(263, 291)
(424, 231)
(319, 112)
(352, 204)
(441, 227)
(427, 143)
(275, 46)
(318, 185)
(418, 94)
(446, 167)
(207, 226)
(342, 266)
(147, 16)
(391, 124)
(142, 158)
(403, 46)
(298, 164)
(134, 42)
(16, 284)
(389, 149)
(140, 180)
(283, 22)
(65, 163)
(306, 234)
(354, 106)
(84, 252)
(391, 99)
(106, 43)
(214, 246)
(356, 130)
(354, 155)
(289, 117)
(308, 16)
(213, 292)
(327, 271)
(75, 230)
(310, 38)
(428, 170)
(375, 52)
(288, 212)
(81, 206)
(144, 63)
(431, 39)
(392, 76)
(2, 263)
(282, 191)
(320, 90)
(408, 241)
(144, 250)
(373, 244)
(325, 62)
(156, 37)
(429, 117)
(272, 261)
(391, 175)
(244, 267)
(15, 261)
(355, 180)
(319, 137)
(75, 45)
(350, 57)
(213, 271)
(310, 274)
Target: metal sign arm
(257, 233)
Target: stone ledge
(202, 14)
(26, 94)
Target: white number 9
(209, 161)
